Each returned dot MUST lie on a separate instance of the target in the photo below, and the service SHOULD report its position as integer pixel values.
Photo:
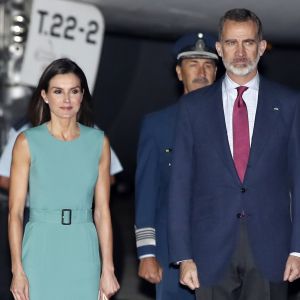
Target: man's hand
(150, 269)
(188, 274)
(292, 269)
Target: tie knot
(241, 89)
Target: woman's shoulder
(91, 131)
(33, 131)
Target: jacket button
(243, 190)
(241, 215)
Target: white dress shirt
(250, 96)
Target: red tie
(241, 139)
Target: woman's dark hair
(39, 112)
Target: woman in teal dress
(64, 162)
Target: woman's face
(64, 96)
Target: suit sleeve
(294, 164)
(146, 197)
(180, 192)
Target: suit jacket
(152, 182)
(206, 193)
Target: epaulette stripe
(145, 237)
(146, 242)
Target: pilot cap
(195, 45)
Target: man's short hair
(241, 15)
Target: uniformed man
(196, 67)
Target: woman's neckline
(62, 140)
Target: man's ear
(219, 49)
(216, 70)
(262, 47)
(178, 71)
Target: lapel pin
(276, 108)
(168, 150)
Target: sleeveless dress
(60, 251)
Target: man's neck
(241, 80)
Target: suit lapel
(265, 121)
(219, 130)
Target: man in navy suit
(196, 68)
(234, 201)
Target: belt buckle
(63, 211)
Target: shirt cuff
(146, 255)
(180, 261)
(295, 254)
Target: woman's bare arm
(109, 283)
(17, 197)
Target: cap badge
(200, 46)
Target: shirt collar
(252, 84)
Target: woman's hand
(108, 284)
(20, 286)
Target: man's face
(196, 73)
(240, 48)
